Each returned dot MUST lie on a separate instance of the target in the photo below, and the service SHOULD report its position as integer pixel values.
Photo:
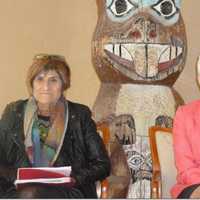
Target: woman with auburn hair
(47, 130)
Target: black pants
(41, 191)
(186, 193)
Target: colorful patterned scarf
(44, 152)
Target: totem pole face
(139, 41)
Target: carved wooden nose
(152, 34)
(136, 34)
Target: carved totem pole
(138, 49)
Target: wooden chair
(164, 170)
(102, 187)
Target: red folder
(46, 175)
(33, 173)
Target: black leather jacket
(82, 148)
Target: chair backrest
(102, 187)
(164, 170)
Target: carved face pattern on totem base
(139, 41)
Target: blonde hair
(46, 62)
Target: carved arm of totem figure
(119, 180)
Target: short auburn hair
(46, 62)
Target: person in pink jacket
(186, 141)
(186, 138)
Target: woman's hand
(73, 181)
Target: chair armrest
(104, 189)
(156, 185)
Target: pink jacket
(186, 135)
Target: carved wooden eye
(136, 160)
(166, 8)
(121, 7)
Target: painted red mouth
(145, 60)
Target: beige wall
(65, 27)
